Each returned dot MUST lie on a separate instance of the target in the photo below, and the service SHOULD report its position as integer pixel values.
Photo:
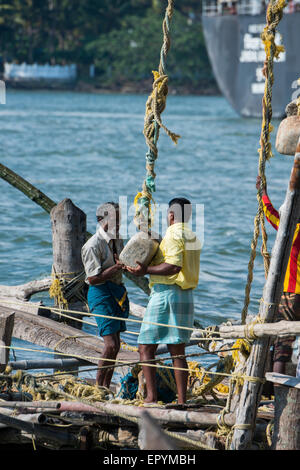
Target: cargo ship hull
(237, 55)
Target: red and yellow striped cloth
(292, 276)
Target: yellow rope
(55, 292)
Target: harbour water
(90, 148)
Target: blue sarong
(109, 299)
(169, 305)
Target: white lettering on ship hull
(254, 52)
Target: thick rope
(274, 15)
(155, 105)
(298, 99)
(63, 313)
(122, 363)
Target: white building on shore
(36, 72)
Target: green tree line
(122, 38)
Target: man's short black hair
(182, 208)
(103, 210)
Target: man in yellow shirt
(174, 273)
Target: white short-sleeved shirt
(97, 255)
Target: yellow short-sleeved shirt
(180, 247)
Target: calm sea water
(90, 148)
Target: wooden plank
(282, 379)
(38, 308)
(61, 337)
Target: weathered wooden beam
(282, 379)
(36, 405)
(37, 308)
(203, 417)
(29, 417)
(26, 188)
(61, 338)
(256, 364)
(260, 330)
(6, 329)
(58, 364)
(25, 291)
(40, 431)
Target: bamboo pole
(49, 405)
(256, 364)
(58, 364)
(37, 430)
(26, 188)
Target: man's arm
(106, 275)
(91, 259)
(272, 215)
(163, 269)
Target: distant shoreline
(140, 88)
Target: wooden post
(286, 435)
(68, 236)
(6, 329)
(256, 365)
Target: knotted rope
(273, 17)
(155, 106)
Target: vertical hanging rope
(273, 17)
(298, 99)
(155, 105)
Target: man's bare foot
(150, 401)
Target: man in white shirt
(107, 295)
